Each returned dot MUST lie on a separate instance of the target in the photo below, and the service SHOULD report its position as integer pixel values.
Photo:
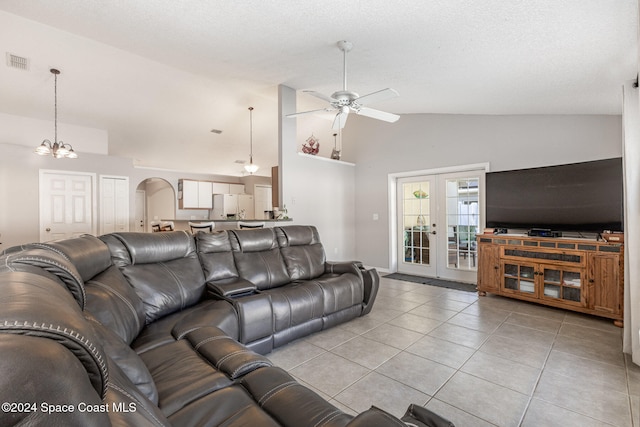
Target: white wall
(316, 191)
(430, 141)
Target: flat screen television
(579, 197)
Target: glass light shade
(251, 168)
(62, 150)
(43, 149)
(72, 154)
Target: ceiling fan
(344, 101)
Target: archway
(155, 200)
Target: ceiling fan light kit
(345, 101)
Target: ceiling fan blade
(319, 95)
(380, 95)
(321, 110)
(341, 119)
(377, 114)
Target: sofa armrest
(229, 288)
(341, 268)
(225, 353)
(371, 281)
(375, 417)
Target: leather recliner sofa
(144, 329)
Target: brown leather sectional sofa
(158, 329)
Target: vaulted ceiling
(160, 74)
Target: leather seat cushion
(181, 375)
(232, 406)
(170, 328)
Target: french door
(438, 218)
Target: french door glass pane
(415, 222)
(462, 222)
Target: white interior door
(141, 211)
(67, 205)
(417, 227)
(114, 204)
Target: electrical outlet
(376, 217)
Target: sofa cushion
(128, 406)
(40, 370)
(39, 306)
(145, 248)
(87, 253)
(258, 258)
(48, 261)
(163, 268)
(214, 251)
(181, 375)
(115, 304)
(302, 251)
(232, 406)
(277, 392)
(127, 360)
(175, 326)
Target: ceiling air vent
(19, 62)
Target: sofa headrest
(257, 240)
(52, 262)
(297, 235)
(146, 248)
(208, 243)
(36, 305)
(87, 253)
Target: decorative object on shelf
(57, 149)
(251, 167)
(312, 146)
(335, 153)
(421, 221)
(420, 194)
(281, 213)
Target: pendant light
(251, 167)
(57, 149)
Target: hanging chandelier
(57, 149)
(251, 167)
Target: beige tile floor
(487, 361)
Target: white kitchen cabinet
(194, 194)
(227, 188)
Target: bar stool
(202, 226)
(242, 225)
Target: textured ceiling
(161, 72)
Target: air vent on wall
(19, 62)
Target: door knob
(47, 229)
(433, 232)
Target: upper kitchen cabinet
(194, 194)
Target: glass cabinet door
(519, 278)
(563, 284)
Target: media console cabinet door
(604, 283)
(488, 268)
